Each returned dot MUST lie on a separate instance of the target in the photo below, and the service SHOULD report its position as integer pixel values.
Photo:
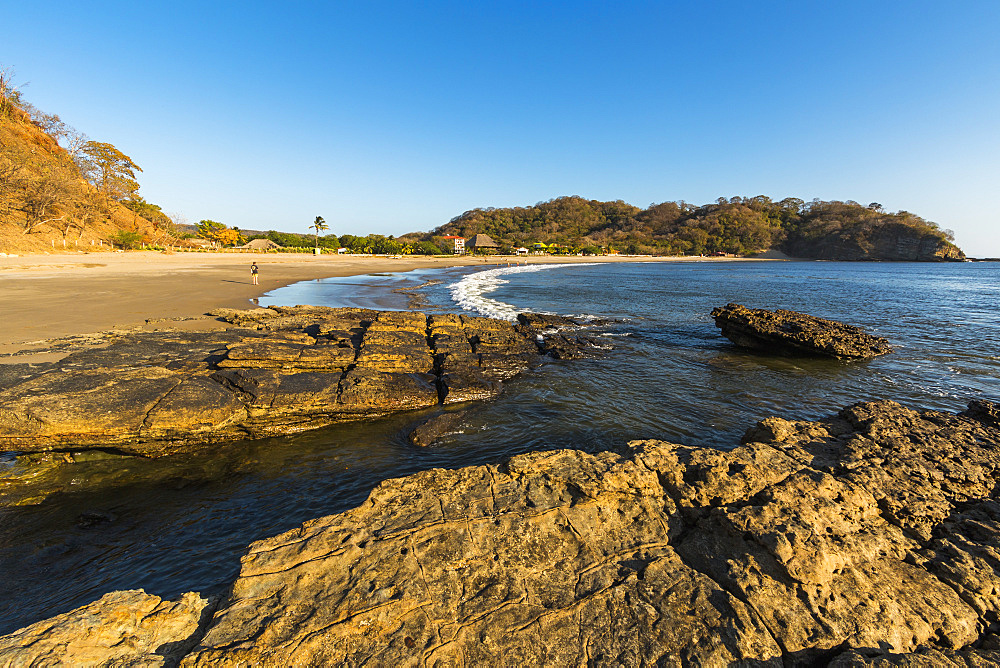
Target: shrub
(126, 239)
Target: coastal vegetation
(738, 226)
(378, 244)
(219, 233)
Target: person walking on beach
(253, 272)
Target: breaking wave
(470, 292)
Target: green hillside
(738, 225)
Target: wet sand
(45, 297)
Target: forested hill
(739, 225)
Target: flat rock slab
(278, 371)
(791, 333)
(868, 538)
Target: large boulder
(792, 333)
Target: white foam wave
(470, 292)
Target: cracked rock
(281, 371)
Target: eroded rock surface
(123, 628)
(875, 529)
(791, 333)
(924, 658)
(279, 371)
(869, 538)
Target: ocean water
(670, 374)
(181, 524)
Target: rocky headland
(867, 538)
(784, 332)
(885, 239)
(277, 371)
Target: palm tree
(320, 226)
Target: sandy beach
(47, 297)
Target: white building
(459, 243)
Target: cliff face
(888, 241)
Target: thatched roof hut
(260, 245)
(481, 241)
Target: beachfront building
(459, 243)
(482, 242)
(539, 248)
(521, 251)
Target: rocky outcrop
(925, 658)
(554, 336)
(868, 538)
(279, 371)
(791, 333)
(124, 628)
(891, 241)
(875, 529)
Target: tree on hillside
(64, 134)
(109, 170)
(47, 198)
(151, 212)
(35, 193)
(218, 232)
(320, 226)
(10, 96)
(88, 207)
(13, 175)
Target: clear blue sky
(392, 117)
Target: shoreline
(56, 296)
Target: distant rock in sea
(867, 538)
(790, 333)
